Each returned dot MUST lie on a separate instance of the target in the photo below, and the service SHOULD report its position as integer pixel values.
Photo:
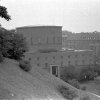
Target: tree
(18, 46)
(5, 45)
(69, 73)
(87, 73)
(4, 14)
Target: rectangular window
(46, 65)
(76, 63)
(75, 56)
(38, 58)
(61, 57)
(68, 56)
(38, 64)
(53, 57)
(69, 63)
(53, 40)
(83, 62)
(61, 64)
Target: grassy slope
(35, 85)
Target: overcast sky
(73, 15)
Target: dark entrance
(54, 70)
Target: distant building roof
(73, 50)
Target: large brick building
(42, 37)
(45, 43)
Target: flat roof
(38, 26)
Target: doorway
(54, 70)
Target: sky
(72, 15)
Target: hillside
(15, 84)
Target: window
(47, 40)
(90, 55)
(31, 41)
(75, 56)
(38, 64)
(46, 65)
(53, 40)
(68, 56)
(59, 40)
(54, 57)
(38, 58)
(46, 58)
(69, 62)
(90, 61)
(76, 62)
(61, 64)
(61, 57)
(83, 62)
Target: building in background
(45, 49)
(42, 37)
(84, 41)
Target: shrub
(25, 65)
(1, 58)
(87, 73)
(19, 47)
(83, 88)
(74, 83)
(12, 45)
(85, 98)
(69, 73)
(66, 92)
(97, 69)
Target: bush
(1, 58)
(66, 92)
(85, 98)
(87, 73)
(19, 47)
(74, 83)
(97, 69)
(83, 88)
(25, 65)
(69, 73)
(12, 45)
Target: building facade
(89, 41)
(45, 50)
(55, 61)
(42, 37)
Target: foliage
(85, 98)
(12, 45)
(83, 88)
(69, 73)
(74, 83)
(25, 65)
(18, 44)
(97, 69)
(4, 42)
(66, 92)
(1, 57)
(87, 73)
(4, 14)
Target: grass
(93, 86)
(34, 85)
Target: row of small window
(69, 63)
(76, 56)
(46, 65)
(54, 40)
